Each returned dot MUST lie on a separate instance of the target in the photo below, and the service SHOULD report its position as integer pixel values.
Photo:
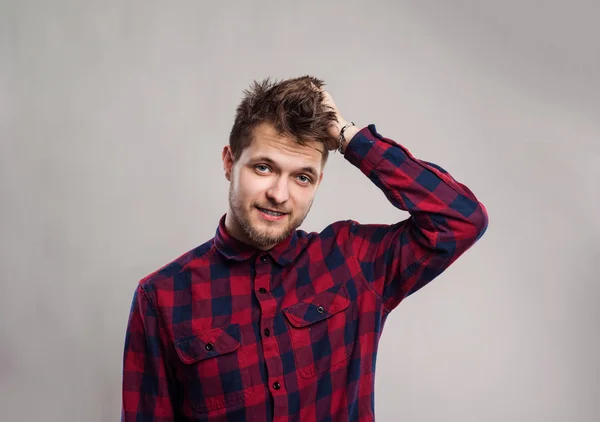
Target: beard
(270, 235)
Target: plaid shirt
(229, 333)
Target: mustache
(272, 208)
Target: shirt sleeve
(445, 218)
(146, 394)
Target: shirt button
(276, 385)
(263, 258)
(320, 309)
(267, 332)
(262, 290)
(209, 347)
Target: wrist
(348, 133)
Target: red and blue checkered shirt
(230, 333)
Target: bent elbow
(480, 220)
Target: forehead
(282, 150)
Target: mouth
(271, 215)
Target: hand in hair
(336, 126)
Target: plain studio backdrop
(113, 115)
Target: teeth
(273, 213)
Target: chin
(272, 229)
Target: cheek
(303, 198)
(250, 189)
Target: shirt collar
(231, 248)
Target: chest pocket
(322, 330)
(212, 369)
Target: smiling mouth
(271, 212)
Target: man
(266, 322)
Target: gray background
(112, 118)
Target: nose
(278, 192)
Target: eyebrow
(264, 158)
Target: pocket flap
(207, 344)
(318, 307)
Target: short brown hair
(293, 106)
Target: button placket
(268, 305)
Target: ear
(227, 157)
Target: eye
(262, 168)
(304, 179)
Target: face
(272, 187)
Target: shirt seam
(363, 277)
(154, 310)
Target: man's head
(277, 151)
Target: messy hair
(293, 106)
